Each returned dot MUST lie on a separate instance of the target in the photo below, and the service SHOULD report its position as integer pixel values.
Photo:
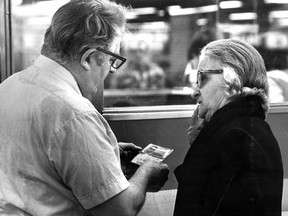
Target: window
(156, 46)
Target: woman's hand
(196, 125)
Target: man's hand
(158, 175)
(127, 152)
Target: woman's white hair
(244, 71)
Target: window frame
(5, 40)
(166, 112)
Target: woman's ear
(85, 59)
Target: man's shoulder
(68, 103)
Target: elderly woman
(234, 165)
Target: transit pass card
(152, 152)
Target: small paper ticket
(152, 152)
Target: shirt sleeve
(84, 152)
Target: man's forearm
(129, 201)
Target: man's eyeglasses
(201, 75)
(117, 61)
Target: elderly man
(58, 154)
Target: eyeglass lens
(202, 76)
(116, 63)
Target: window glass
(159, 67)
(264, 25)
(30, 19)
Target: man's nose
(112, 70)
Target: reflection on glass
(142, 47)
(156, 71)
(30, 20)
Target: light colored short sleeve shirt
(58, 155)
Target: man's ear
(85, 59)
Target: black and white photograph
(144, 107)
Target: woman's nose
(196, 92)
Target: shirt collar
(55, 69)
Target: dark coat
(233, 167)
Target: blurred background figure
(199, 40)
(278, 83)
(274, 52)
(140, 72)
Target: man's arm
(150, 177)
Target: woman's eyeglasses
(117, 61)
(201, 75)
